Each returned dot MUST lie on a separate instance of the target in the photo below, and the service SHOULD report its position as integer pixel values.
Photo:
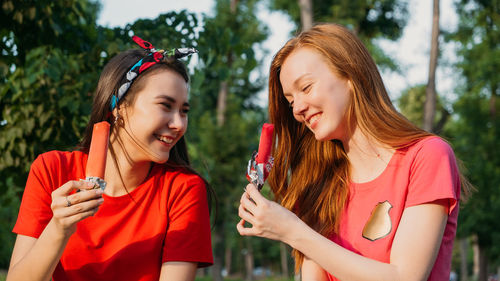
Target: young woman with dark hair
(151, 222)
(364, 194)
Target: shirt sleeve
(35, 212)
(188, 235)
(434, 175)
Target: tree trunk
(493, 108)
(223, 90)
(306, 14)
(221, 103)
(445, 114)
(430, 91)
(284, 260)
(228, 257)
(217, 267)
(249, 265)
(475, 250)
(464, 249)
(480, 261)
(483, 265)
(234, 5)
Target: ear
(120, 110)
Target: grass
(240, 279)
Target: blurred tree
(369, 19)
(226, 114)
(68, 25)
(411, 104)
(431, 96)
(477, 126)
(306, 14)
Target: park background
(52, 53)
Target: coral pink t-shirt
(166, 218)
(419, 174)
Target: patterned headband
(151, 59)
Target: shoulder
(59, 165)
(431, 148)
(183, 187)
(58, 159)
(433, 157)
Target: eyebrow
(297, 82)
(171, 99)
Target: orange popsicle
(96, 163)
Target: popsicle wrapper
(261, 162)
(96, 163)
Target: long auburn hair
(309, 177)
(112, 77)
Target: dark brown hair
(112, 77)
(310, 177)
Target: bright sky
(411, 51)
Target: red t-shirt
(419, 174)
(166, 218)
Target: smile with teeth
(314, 118)
(165, 139)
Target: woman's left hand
(268, 219)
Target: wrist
(295, 233)
(57, 232)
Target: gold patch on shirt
(379, 224)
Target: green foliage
(476, 140)
(369, 19)
(476, 128)
(9, 204)
(411, 104)
(64, 24)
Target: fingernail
(98, 191)
(100, 200)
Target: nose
(299, 108)
(177, 122)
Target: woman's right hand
(68, 209)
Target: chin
(161, 160)
(321, 137)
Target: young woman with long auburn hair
(151, 222)
(364, 194)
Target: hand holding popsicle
(70, 207)
(261, 163)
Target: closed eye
(306, 88)
(167, 105)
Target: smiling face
(318, 97)
(157, 117)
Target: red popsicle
(96, 163)
(265, 144)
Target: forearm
(41, 260)
(342, 263)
